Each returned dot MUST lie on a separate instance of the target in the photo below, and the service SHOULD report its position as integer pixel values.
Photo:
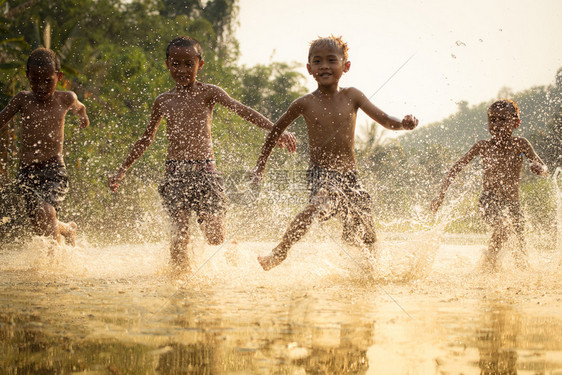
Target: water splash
(555, 176)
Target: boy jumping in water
(42, 178)
(502, 161)
(192, 182)
(330, 113)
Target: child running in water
(42, 178)
(192, 182)
(330, 113)
(502, 161)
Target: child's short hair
(185, 41)
(505, 104)
(43, 57)
(331, 41)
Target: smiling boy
(192, 182)
(330, 114)
(42, 178)
(502, 161)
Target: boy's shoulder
(67, 97)
(23, 95)
(481, 147)
(521, 142)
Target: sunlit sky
(462, 50)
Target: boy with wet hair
(502, 161)
(330, 113)
(42, 178)
(192, 182)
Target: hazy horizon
(457, 50)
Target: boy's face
(502, 122)
(183, 64)
(43, 80)
(326, 64)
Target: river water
(424, 307)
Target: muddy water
(425, 307)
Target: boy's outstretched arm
(409, 122)
(13, 107)
(453, 172)
(286, 139)
(139, 147)
(538, 167)
(79, 109)
(293, 112)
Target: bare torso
(43, 126)
(330, 122)
(189, 118)
(502, 164)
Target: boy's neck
(502, 141)
(328, 90)
(186, 88)
(43, 100)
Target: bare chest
(40, 120)
(188, 112)
(333, 118)
(507, 160)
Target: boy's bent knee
(215, 238)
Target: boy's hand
(539, 169)
(436, 203)
(84, 122)
(289, 141)
(255, 176)
(409, 122)
(113, 181)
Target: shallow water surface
(425, 307)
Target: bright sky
(462, 50)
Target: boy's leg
(297, 229)
(213, 228)
(521, 256)
(499, 236)
(180, 239)
(45, 221)
(68, 231)
(359, 228)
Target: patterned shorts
(341, 194)
(188, 186)
(42, 182)
(494, 209)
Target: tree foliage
(112, 54)
(406, 173)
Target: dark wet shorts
(341, 195)
(190, 186)
(42, 182)
(494, 209)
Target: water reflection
(497, 340)
(232, 319)
(72, 327)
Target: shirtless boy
(502, 161)
(42, 178)
(192, 182)
(330, 113)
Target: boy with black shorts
(192, 182)
(502, 161)
(42, 178)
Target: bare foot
(68, 231)
(178, 269)
(270, 261)
(179, 261)
(231, 253)
(521, 262)
(490, 265)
